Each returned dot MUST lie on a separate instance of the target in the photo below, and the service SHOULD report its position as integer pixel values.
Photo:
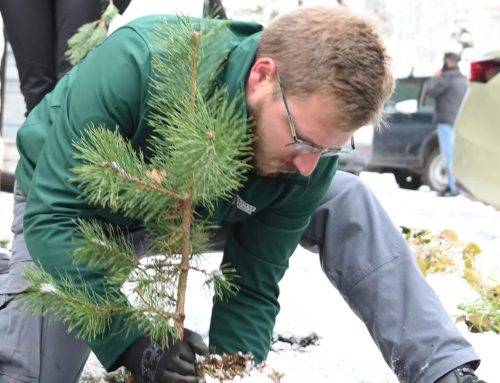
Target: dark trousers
(38, 31)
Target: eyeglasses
(303, 147)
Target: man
(448, 87)
(310, 79)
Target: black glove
(148, 362)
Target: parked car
(407, 144)
(477, 135)
(356, 161)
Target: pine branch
(223, 281)
(105, 247)
(112, 173)
(209, 144)
(214, 141)
(73, 303)
(143, 184)
(90, 35)
(154, 308)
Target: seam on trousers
(13, 379)
(392, 259)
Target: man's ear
(262, 71)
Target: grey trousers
(361, 252)
(32, 349)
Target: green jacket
(111, 87)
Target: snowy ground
(309, 304)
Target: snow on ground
(309, 304)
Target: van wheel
(434, 171)
(407, 180)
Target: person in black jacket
(448, 87)
(38, 31)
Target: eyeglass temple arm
(288, 114)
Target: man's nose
(306, 163)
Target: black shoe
(448, 192)
(462, 374)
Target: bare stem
(187, 216)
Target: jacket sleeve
(107, 88)
(259, 250)
(436, 86)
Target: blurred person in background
(38, 32)
(448, 88)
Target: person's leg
(446, 138)
(32, 349)
(71, 15)
(367, 259)
(30, 30)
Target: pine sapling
(198, 154)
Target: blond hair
(336, 52)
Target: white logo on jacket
(244, 206)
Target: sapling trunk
(187, 210)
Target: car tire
(434, 171)
(407, 180)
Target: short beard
(262, 157)
(263, 160)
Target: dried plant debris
(119, 376)
(435, 252)
(4, 243)
(484, 313)
(235, 368)
(443, 252)
(481, 316)
(297, 342)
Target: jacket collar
(238, 66)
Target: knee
(347, 185)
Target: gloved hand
(148, 362)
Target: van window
(406, 89)
(427, 101)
